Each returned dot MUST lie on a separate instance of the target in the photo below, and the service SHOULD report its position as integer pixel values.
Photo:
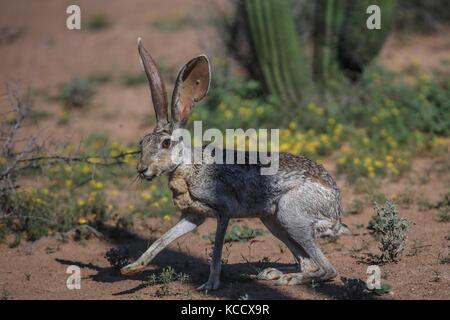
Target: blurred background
(373, 106)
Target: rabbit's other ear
(191, 86)
(157, 87)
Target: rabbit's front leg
(185, 225)
(213, 282)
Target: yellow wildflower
(96, 184)
(341, 160)
(146, 195)
(259, 110)
(92, 196)
(292, 125)
(366, 141)
(86, 169)
(378, 163)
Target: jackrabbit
(298, 203)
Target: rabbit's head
(191, 86)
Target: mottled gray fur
(297, 204)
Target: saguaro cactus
(357, 45)
(277, 47)
(342, 43)
(328, 19)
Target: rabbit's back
(239, 190)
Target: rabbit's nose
(141, 170)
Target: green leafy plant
(172, 25)
(444, 259)
(134, 79)
(442, 206)
(355, 207)
(164, 278)
(390, 231)
(356, 289)
(98, 22)
(444, 214)
(77, 92)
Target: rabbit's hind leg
(300, 256)
(300, 228)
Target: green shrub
(167, 276)
(37, 213)
(98, 22)
(172, 25)
(77, 93)
(390, 231)
(134, 79)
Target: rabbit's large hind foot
(269, 274)
(306, 277)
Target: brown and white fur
(298, 203)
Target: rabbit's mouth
(148, 178)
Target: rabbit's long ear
(191, 86)
(157, 88)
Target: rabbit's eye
(166, 143)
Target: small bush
(355, 207)
(99, 78)
(353, 289)
(444, 259)
(77, 93)
(442, 206)
(118, 257)
(167, 276)
(172, 25)
(98, 22)
(444, 214)
(134, 79)
(390, 231)
(37, 213)
(356, 289)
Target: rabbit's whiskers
(132, 182)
